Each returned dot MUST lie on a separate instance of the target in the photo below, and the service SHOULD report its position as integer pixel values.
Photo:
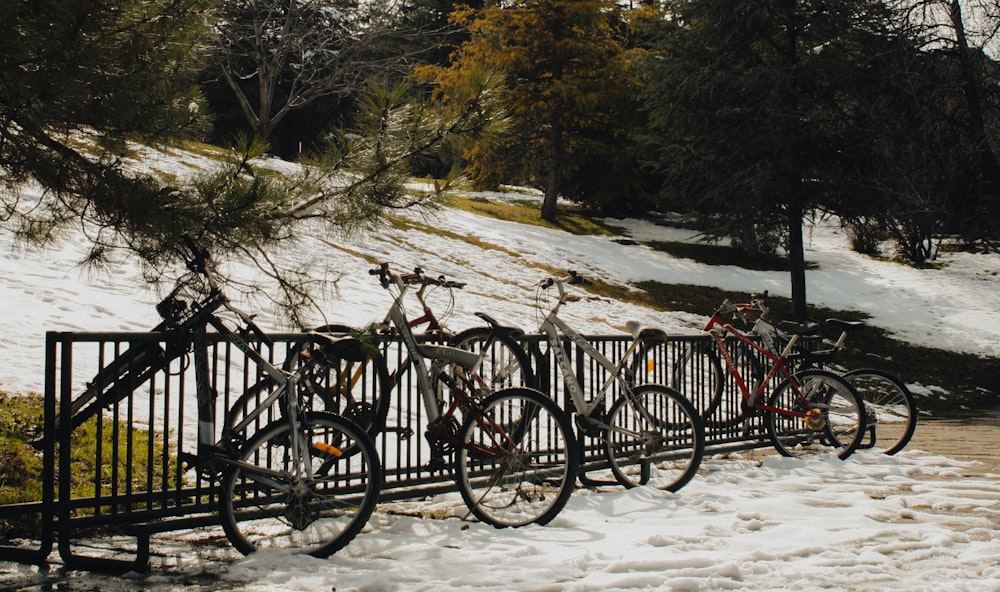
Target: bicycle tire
(891, 409)
(507, 365)
(359, 390)
(839, 423)
(518, 460)
(262, 505)
(691, 368)
(665, 454)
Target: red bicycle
(807, 413)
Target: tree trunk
(989, 169)
(553, 183)
(549, 211)
(748, 238)
(797, 258)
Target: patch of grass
(20, 464)
(410, 223)
(123, 463)
(202, 149)
(527, 212)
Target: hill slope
(956, 308)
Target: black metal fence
(135, 484)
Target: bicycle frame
(284, 382)
(427, 318)
(211, 452)
(422, 355)
(555, 329)
(717, 330)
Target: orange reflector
(327, 448)
(650, 366)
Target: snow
(752, 521)
(873, 523)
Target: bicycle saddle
(498, 328)
(344, 347)
(846, 325)
(802, 329)
(645, 333)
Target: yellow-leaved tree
(568, 87)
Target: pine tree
(80, 80)
(749, 101)
(77, 79)
(566, 74)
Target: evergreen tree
(747, 111)
(568, 79)
(78, 78)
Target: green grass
(527, 212)
(21, 463)
(712, 254)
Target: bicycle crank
(815, 420)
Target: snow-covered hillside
(956, 308)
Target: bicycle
(358, 384)
(651, 435)
(513, 449)
(307, 481)
(890, 406)
(809, 412)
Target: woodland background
(745, 116)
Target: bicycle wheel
(691, 368)
(351, 381)
(506, 365)
(517, 460)
(266, 502)
(654, 437)
(891, 409)
(823, 415)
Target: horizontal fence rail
(136, 482)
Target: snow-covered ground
(753, 522)
(870, 524)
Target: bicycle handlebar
(758, 304)
(417, 278)
(573, 278)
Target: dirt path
(975, 436)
